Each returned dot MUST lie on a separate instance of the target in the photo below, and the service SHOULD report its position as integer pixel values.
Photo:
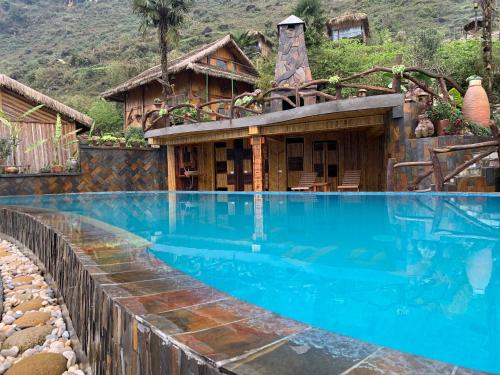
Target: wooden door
(325, 162)
(295, 160)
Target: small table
(323, 187)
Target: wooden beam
(171, 169)
(438, 173)
(390, 174)
(258, 157)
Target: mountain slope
(75, 52)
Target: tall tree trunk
(488, 6)
(162, 34)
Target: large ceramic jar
(476, 106)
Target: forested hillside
(75, 49)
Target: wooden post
(438, 173)
(338, 92)
(257, 143)
(171, 168)
(444, 90)
(390, 174)
(396, 81)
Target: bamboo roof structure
(350, 19)
(191, 61)
(38, 98)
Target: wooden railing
(440, 179)
(294, 96)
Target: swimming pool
(417, 273)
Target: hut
(15, 100)
(352, 25)
(214, 71)
(263, 44)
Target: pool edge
(118, 340)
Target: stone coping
(134, 314)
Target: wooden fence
(30, 134)
(435, 166)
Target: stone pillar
(257, 143)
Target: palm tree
(311, 11)
(166, 16)
(246, 42)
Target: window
(221, 64)
(347, 33)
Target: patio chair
(351, 181)
(306, 182)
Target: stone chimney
(292, 64)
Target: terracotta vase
(11, 170)
(57, 169)
(441, 126)
(476, 106)
(425, 127)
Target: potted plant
(157, 103)
(59, 140)
(109, 140)
(440, 114)
(14, 128)
(5, 151)
(46, 169)
(73, 164)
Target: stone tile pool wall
(136, 315)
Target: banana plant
(14, 127)
(60, 139)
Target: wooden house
(214, 71)
(273, 150)
(16, 99)
(349, 26)
(263, 45)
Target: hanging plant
(398, 70)
(244, 101)
(334, 80)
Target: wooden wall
(350, 150)
(38, 126)
(188, 86)
(353, 150)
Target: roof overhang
(330, 116)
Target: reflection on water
(415, 273)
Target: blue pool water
(418, 273)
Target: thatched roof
(38, 98)
(258, 35)
(471, 25)
(190, 61)
(349, 19)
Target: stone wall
(404, 147)
(102, 169)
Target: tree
(312, 13)
(488, 7)
(107, 117)
(166, 16)
(246, 42)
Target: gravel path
(33, 333)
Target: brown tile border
(136, 315)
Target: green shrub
(136, 133)
(107, 117)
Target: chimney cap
(292, 20)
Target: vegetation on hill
(75, 52)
